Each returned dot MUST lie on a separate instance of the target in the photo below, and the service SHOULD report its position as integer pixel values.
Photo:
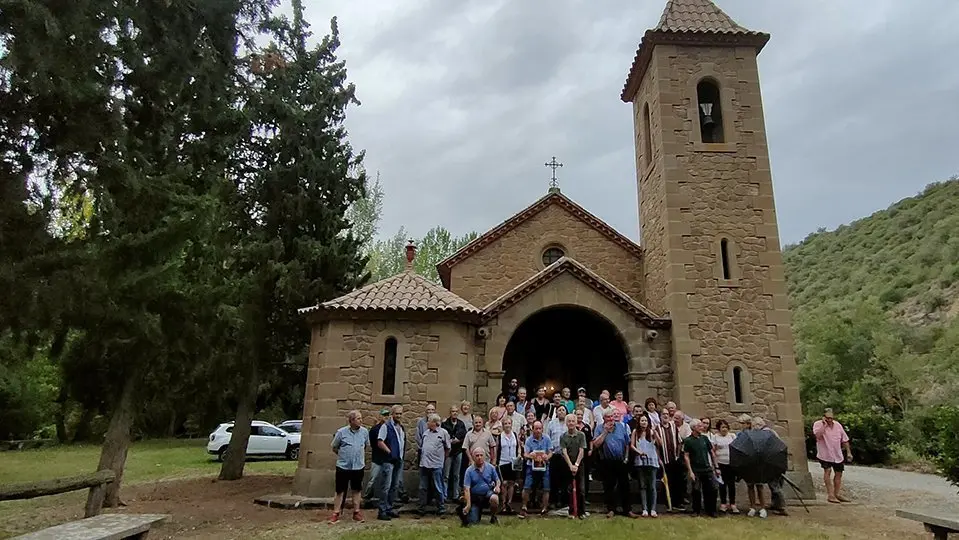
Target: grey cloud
(465, 101)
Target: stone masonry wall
(714, 191)
(651, 193)
(435, 361)
(517, 256)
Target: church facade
(696, 312)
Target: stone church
(696, 312)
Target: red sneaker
(335, 517)
(358, 516)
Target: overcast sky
(464, 101)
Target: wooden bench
(102, 527)
(939, 525)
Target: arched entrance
(567, 346)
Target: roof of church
(566, 265)
(698, 22)
(553, 197)
(406, 291)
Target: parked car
(265, 440)
(293, 427)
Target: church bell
(707, 115)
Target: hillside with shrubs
(877, 333)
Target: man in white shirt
(679, 418)
(557, 464)
(601, 408)
(518, 419)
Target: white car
(265, 440)
(293, 427)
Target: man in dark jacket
(378, 457)
(451, 467)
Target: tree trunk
(83, 429)
(60, 416)
(171, 426)
(235, 459)
(113, 454)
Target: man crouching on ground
(481, 486)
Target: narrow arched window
(389, 367)
(724, 256)
(710, 112)
(738, 385)
(647, 137)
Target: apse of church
(695, 313)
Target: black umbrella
(758, 456)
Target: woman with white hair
(757, 503)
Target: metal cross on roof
(553, 164)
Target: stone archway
(567, 346)
(648, 353)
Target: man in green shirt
(700, 464)
(573, 445)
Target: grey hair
(609, 411)
(396, 408)
(354, 414)
(758, 422)
(434, 418)
(695, 423)
(745, 419)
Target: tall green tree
(365, 213)
(295, 177)
(388, 256)
(129, 104)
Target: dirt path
(890, 489)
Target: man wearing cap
(832, 451)
(378, 456)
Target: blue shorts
(539, 478)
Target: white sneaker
(763, 514)
(752, 512)
(645, 513)
(653, 514)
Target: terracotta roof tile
(407, 291)
(554, 197)
(697, 16)
(587, 276)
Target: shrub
(940, 435)
(892, 295)
(871, 435)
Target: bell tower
(708, 222)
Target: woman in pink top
(620, 405)
(832, 451)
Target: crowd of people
(530, 455)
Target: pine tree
(131, 104)
(295, 177)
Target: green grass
(664, 528)
(146, 461)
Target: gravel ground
(891, 489)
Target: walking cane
(573, 503)
(669, 499)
